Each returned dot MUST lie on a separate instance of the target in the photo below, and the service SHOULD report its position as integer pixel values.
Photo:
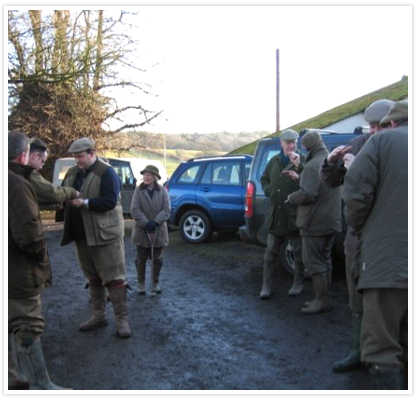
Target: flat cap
(398, 111)
(82, 144)
(289, 134)
(376, 111)
(311, 139)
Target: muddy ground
(208, 330)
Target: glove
(151, 226)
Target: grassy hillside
(395, 92)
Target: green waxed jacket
(282, 217)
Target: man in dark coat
(279, 179)
(29, 271)
(376, 201)
(333, 170)
(319, 219)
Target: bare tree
(64, 68)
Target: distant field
(173, 157)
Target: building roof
(396, 91)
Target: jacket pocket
(110, 227)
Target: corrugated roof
(396, 91)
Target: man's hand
(77, 203)
(348, 159)
(294, 158)
(291, 174)
(337, 154)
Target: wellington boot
(141, 275)
(386, 377)
(98, 303)
(353, 359)
(268, 271)
(298, 276)
(321, 303)
(32, 362)
(157, 266)
(16, 379)
(118, 296)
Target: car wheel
(195, 227)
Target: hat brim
(151, 172)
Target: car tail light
(250, 191)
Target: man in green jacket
(319, 219)
(46, 192)
(29, 271)
(279, 179)
(376, 205)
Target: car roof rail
(306, 130)
(219, 157)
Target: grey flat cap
(376, 111)
(289, 134)
(397, 112)
(82, 144)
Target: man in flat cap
(95, 222)
(319, 219)
(279, 179)
(376, 206)
(333, 170)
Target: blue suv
(207, 195)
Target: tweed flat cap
(289, 134)
(82, 144)
(311, 139)
(152, 169)
(397, 112)
(376, 111)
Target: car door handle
(206, 189)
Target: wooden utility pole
(277, 92)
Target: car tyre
(195, 227)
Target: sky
(216, 65)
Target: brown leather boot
(118, 295)
(98, 302)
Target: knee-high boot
(16, 379)
(268, 272)
(98, 304)
(353, 359)
(141, 275)
(157, 266)
(321, 303)
(118, 295)
(298, 276)
(32, 362)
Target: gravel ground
(207, 331)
